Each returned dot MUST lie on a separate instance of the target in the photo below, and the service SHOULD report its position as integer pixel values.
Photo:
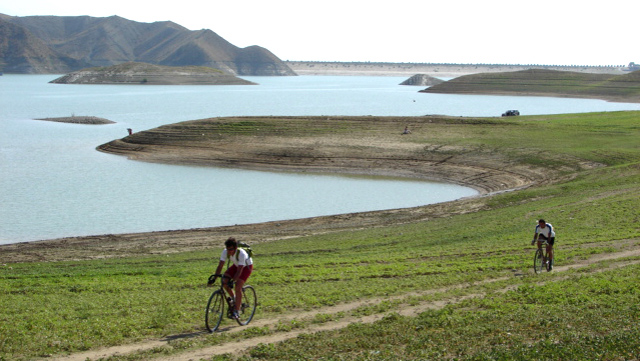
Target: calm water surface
(53, 183)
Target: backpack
(247, 249)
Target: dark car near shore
(510, 113)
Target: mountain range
(61, 44)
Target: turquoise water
(53, 183)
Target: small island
(422, 80)
(150, 74)
(82, 119)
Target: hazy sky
(562, 32)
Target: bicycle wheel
(249, 303)
(537, 261)
(215, 311)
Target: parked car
(510, 113)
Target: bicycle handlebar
(212, 279)
(543, 241)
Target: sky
(559, 32)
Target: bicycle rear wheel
(249, 303)
(215, 311)
(538, 263)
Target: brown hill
(543, 82)
(22, 52)
(90, 41)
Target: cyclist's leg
(238, 303)
(552, 240)
(227, 277)
(244, 276)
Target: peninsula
(150, 74)
(544, 82)
(357, 145)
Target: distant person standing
(130, 131)
(544, 232)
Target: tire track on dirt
(239, 346)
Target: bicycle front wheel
(249, 303)
(538, 261)
(215, 311)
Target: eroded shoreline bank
(347, 145)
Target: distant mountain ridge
(61, 44)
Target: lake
(53, 183)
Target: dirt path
(240, 346)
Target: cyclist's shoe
(235, 315)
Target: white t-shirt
(546, 231)
(241, 258)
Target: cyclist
(544, 231)
(239, 271)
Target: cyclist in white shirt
(544, 232)
(239, 271)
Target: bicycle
(541, 257)
(216, 306)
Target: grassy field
(458, 287)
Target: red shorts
(246, 272)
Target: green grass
(594, 317)
(60, 307)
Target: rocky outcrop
(422, 80)
(60, 44)
(141, 73)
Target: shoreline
(436, 70)
(393, 155)
(185, 240)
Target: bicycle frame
(215, 307)
(541, 257)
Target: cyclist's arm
(219, 269)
